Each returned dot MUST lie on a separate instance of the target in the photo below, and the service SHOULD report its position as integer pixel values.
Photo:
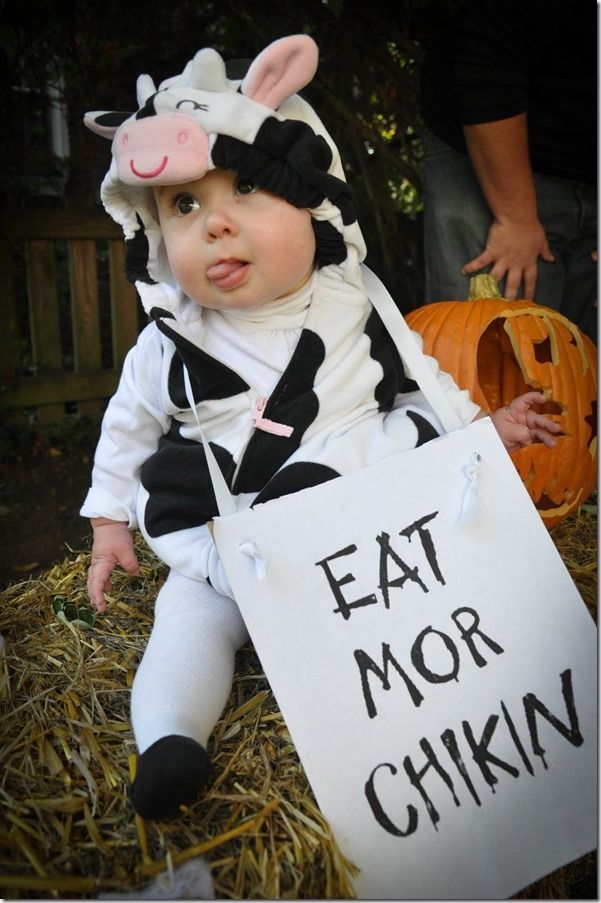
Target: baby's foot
(169, 773)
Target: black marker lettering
(378, 811)
(416, 778)
(366, 664)
(532, 705)
(344, 607)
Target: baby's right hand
(112, 545)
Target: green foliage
(70, 612)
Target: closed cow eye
(193, 104)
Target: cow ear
(281, 70)
(104, 123)
(145, 88)
(208, 71)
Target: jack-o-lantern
(499, 349)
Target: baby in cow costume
(243, 245)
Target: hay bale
(67, 754)
(66, 827)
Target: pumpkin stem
(483, 286)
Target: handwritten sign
(438, 678)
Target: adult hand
(513, 249)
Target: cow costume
(289, 394)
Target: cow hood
(257, 125)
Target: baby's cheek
(185, 269)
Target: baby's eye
(184, 204)
(245, 186)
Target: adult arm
(499, 154)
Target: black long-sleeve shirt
(494, 59)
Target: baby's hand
(519, 426)
(113, 545)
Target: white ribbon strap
(470, 494)
(250, 549)
(223, 496)
(410, 351)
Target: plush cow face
(258, 126)
(169, 139)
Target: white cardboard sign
(438, 680)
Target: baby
(246, 253)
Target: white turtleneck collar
(288, 312)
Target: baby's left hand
(518, 426)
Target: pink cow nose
(161, 150)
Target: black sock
(171, 772)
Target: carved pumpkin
(499, 349)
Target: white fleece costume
(332, 391)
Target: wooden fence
(61, 276)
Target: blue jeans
(456, 223)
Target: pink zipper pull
(268, 426)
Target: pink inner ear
(281, 70)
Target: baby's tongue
(223, 269)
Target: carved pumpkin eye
(499, 349)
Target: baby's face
(231, 245)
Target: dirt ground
(42, 487)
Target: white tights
(185, 676)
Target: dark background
(91, 52)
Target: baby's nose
(219, 222)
